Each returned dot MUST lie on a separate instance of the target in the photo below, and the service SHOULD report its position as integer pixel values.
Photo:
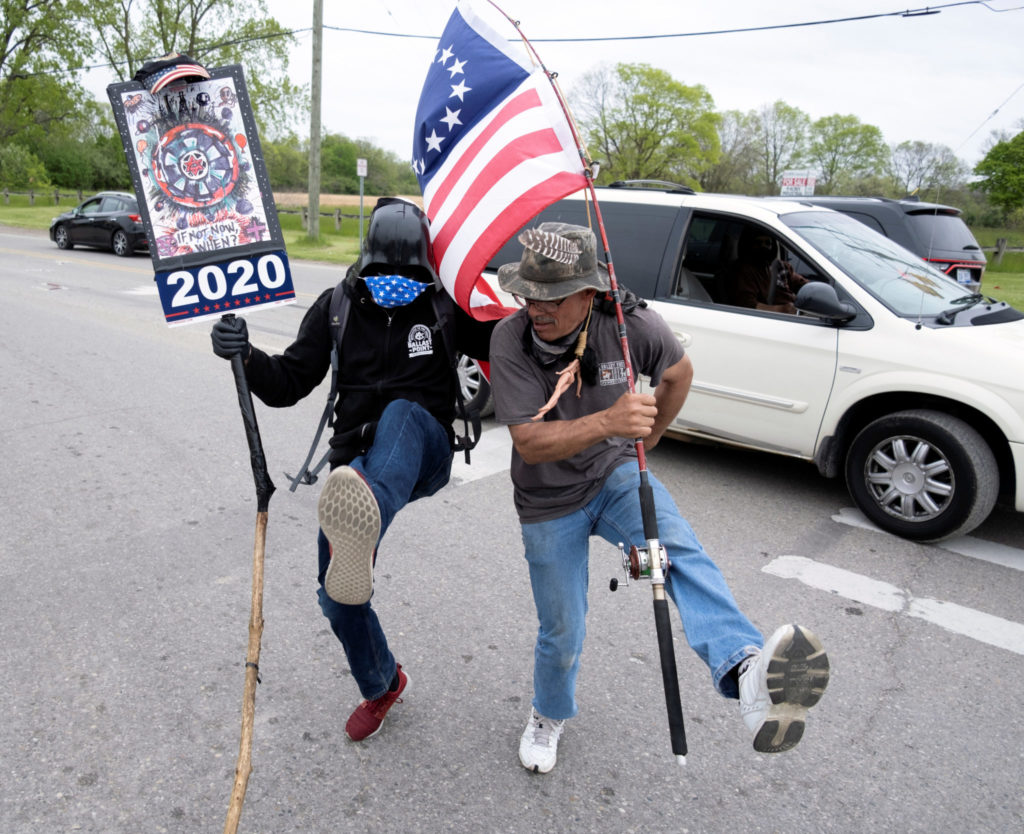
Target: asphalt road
(125, 554)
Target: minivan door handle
(685, 339)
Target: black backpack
(338, 312)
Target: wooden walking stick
(264, 489)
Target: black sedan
(110, 220)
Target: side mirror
(820, 300)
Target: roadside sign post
(361, 171)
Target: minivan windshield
(898, 278)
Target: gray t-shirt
(521, 387)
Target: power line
(904, 13)
(922, 12)
(992, 114)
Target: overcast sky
(936, 78)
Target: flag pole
(264, 489)
(670, 678)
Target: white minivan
(888, 372)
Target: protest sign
(203, 191)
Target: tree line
(641, 123)
(638, 120)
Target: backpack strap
(337, 318)
(444, 311)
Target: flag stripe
(491, 239)
(520, 195)
(517, 104)
(523, 149)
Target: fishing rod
(650, 561)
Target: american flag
(491, 149)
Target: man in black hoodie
(396, 331)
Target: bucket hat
(558, 259)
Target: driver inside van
(760, 278)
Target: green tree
(844, 150)
(214, 33)
(924, 169)
(338, 156)
(39, 41)
(21, 170)
(1002, 172)
(782, 143)
(736, 170)
(643, 124)
(85, 152)
(287, 162)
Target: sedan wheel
(62, 238)
(119, 243)
(922, 475)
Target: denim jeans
(410, 458)
(558, 554)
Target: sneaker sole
(350, 519)
(797, 676)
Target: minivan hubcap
(909, 478)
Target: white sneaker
(779, 684)
(350, 519)
(538, 748)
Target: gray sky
(935, 78)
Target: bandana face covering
(393, 290)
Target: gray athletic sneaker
(538, 747)
(779, 684)
(350, 519)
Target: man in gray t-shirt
(560, 384)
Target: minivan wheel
(119, 243)
(62, 238)
(476, 391)
(922, 475)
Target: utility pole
(314, 121)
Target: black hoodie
(386, 354)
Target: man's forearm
(557, 439)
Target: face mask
(393, 290)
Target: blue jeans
(558, 554)
(410, 458)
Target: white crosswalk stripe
(492, 454)
(987, 628)
(997, 554)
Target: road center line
(986, 628)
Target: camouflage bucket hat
(559, 259)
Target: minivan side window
(637, 237)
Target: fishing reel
(637, 564)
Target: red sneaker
(367, 718)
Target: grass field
(1003, 281)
